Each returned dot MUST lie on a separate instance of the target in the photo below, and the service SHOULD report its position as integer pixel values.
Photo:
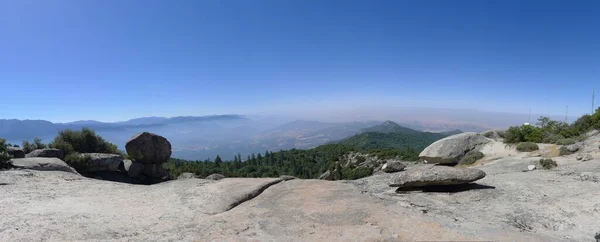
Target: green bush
(566, 141)
(78, 162)
(502, 133)
(37, 144)
(551, 138)
(523, 133)
(527, 147)
(548, 163)
(83, 141)
(356, 173)
(471, 157)
(5, 162)
(564, 151)
(488, 134)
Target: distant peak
(389, 123)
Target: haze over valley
(205, 137)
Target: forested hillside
(299, 163)
(390, 135)
(387, 140)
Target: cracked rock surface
(561, 204)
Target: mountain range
(201, 137)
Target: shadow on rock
(446, 189)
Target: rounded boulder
(148, 148)
(452, 149)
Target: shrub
(566, 141)
(501, 133)
(84, 141)
(356, 173)
(37, 144)
(551, 138)
(471, 157)
(78, 162)
(5, 162)
(548, 163)
(488, 134)
(523, 133)
(527, 147)
(564, 151)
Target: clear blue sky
(114, 60)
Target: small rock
(133, 169)
(393, 166)
(287, 177)
(592, 132)
(428, 175)
(574, 147)
(325, 175)
(215, 177)
(579, 157)
(587, 157)
(46, 153)
(531, 167)
(186, 175)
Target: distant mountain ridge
(23, 129)
(391, 135)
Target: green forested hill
(387, 140)
(391, 135)
(373, 140)
(299, 163)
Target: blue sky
(114, 60)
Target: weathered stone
(186, 175)
(46, 153)
(215, 177)
(325, 175)
(102, 162)
(155, 171)
(579, 157)
(587, 157)
(451, 149)
(16, 152)
(148, 148)
(428, 175)
(393, 166)
(531, 167)
(42, 164)
(133, 169)
(574, 147)
(287, 178)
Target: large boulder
(148, 148)
(46, 153)
(392, 166)
(42, 164)
(16, 152)
(102, 162)
(434, 175)
(215, 177)
(451, 149)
